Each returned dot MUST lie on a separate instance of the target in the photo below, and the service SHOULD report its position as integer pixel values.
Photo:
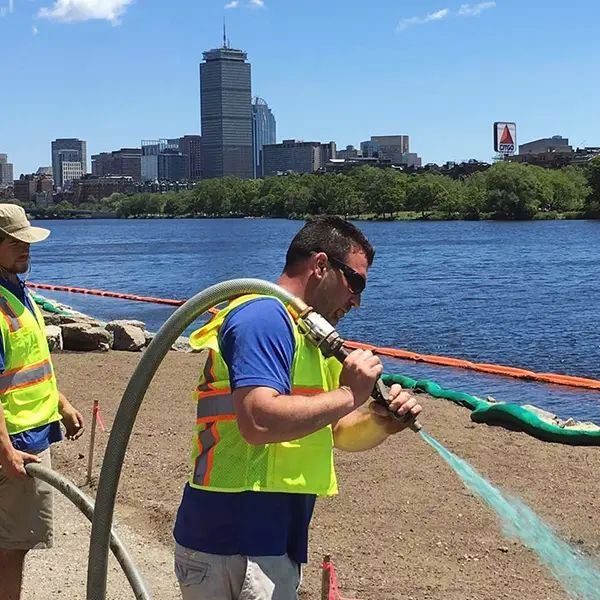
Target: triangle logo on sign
(506, 137)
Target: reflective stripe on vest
(20, 378)
(207, 440)
(14, 323)
(208, 374)
(218, 404)
(214, 408)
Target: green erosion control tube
(509, 415)
(86, 506)
(130, 405)
(48, 306)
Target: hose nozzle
(324, 336)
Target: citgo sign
(505, 138)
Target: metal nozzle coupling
(322, 334)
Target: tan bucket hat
(14, 223)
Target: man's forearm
(286, 418)
(62, 402)
(358, 431)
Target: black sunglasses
(356, 282)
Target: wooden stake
(326, 578)
(88, 479)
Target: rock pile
(68, 329)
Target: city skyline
(438, 71)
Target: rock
(81, 318)
(54, 319)
(54, 338)
(83, 337)
(121, 322)
(127, 337)
(181, 345)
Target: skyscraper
(162, 161)
(264, 131)
(6, 172)
(226, 113)
(70, 146)
(386, 147)
(126, 162)
(191, 146)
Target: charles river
(521, 294)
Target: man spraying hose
(270, 410)
(31, 407)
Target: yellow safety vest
(28, 385)
(223, 461)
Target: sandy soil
(403, 525)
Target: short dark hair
(329, 234)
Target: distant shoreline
(404, 217)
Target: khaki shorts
(26, 511)
(205, 576)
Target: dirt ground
(403, 525)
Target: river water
(518, 294)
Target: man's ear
(320, 263)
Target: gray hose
(130, 405)
(86, 506)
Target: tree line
(506, 190)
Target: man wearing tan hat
(31, 407)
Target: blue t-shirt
(257, 344)
(39, 438)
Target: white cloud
(76, 11)
(35, 30)
(466, 10)
(258, 3)
(233, 4)
(436, 16)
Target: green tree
(425, 193)
(514, 191)
(64, 205)
(334, 194)
(568, 190)
(111, 203)
(449, 201)
(592, 205)
(211, 197)
(473, 196)
(367, 181)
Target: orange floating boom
(132, 297)
(568, 380)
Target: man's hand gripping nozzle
(324, 336)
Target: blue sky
(114, 72)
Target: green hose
(506, 415)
